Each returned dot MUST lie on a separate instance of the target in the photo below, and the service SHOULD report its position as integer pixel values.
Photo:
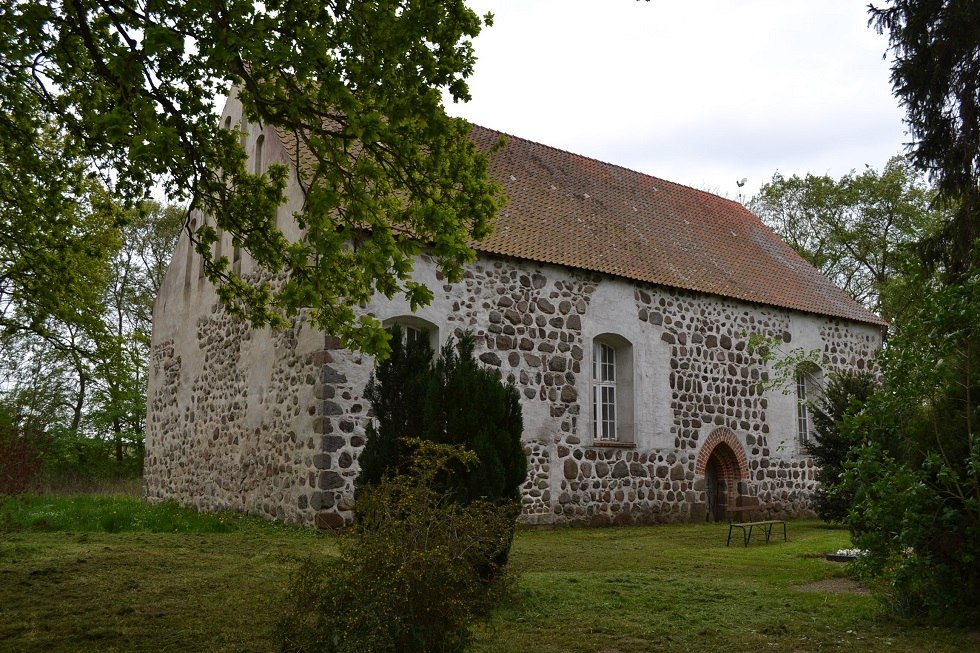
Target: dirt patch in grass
(835, 586)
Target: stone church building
(620, 305)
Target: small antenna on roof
(741, 183)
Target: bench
(765, 525)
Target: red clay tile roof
(570, 210)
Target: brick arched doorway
(722, 463)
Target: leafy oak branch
(126, 91)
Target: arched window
(200, 266)
(414, 328)
(243, 131)
(259, 146)
(236, 254)
(189, 264)
(236, 246)
(612, 389)
(217, 243)
(807, 391)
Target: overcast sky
(701, 92)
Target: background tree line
(74, 358)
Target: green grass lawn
(169, 580)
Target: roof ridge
(555, 148)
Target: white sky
(700, 92)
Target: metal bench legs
(747, 530)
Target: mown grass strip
(75, 587)
(108, 514)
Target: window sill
(613, 444)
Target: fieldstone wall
(528, 321)
(339, 435)
(283, 440)
(224, 431)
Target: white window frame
(411, 334)
(808, 384)
(604, 417)
(413, 327)
(611, 393)
(803, 418)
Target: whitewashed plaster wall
(612, 311)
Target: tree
(450, 400)
(357, 84)
(78, 378)
(831, 445)
(121, 349)
(917, 507)
(397, 392)
(468, 405)
(852, 228)
(437, 503)
(57, 232)
(936, 75)
(916, 473)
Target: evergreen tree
(936, 76)
(831, 445)
(468, 405)
(450, 400)
(397, 391)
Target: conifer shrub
(452, 399)
(831, 445)
(455, 400)
(397, 391)
(436, 508)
